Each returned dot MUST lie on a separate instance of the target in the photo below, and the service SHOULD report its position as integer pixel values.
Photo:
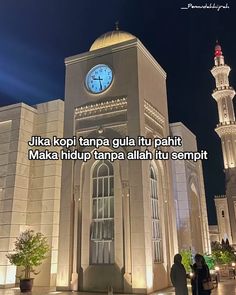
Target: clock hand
(100, 79)
(100, 82)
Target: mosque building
(109, 223)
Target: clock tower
(117, 220)
(226, 129)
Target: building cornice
(100, 52)
(117, 105)
(20, 105)
(220, 197)
(101, 108)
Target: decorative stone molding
(224, 69)
(223, 91)
(226, 123)
(224, 129)
(101, 108)
(220, 197)
(152, 112)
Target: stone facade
(121, 222)
(30, 190)
(189, 196)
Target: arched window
(223, 213)
(156, 225)
(102, 226)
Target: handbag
(208, 285)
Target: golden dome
(111, 38)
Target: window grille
(102, 225)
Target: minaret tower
(226, 129)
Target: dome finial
(117, 25)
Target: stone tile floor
(226, 287)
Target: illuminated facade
(29, 190)
(226, 129)
(121, 222)
(152, 208)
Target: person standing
(178, 276)
(201, 275)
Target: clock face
(99, 78)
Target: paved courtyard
(227, 287)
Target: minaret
(226, 129)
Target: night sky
(36, 36)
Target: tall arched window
(156, 226)
(102, 226)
